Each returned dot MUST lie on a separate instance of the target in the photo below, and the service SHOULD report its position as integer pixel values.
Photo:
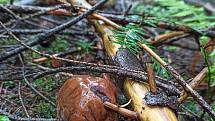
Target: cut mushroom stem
(123, 111)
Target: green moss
(59, 45)
(45, 110)
(47, 84)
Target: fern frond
(178, 12)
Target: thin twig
(39, 31)
(21, 100)
(19, 92)
(166, 36)
(34, 89)
(43, 59)
(181, 81)
(194, 83)
(38, 13)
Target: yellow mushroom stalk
(135, 90)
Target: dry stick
(36, 10)
(43, 59)
(194, 83)
(106, 20)
(151, 80)
(11, 13)
(20, 96)
(21, 100)
(163, 37)
(25, 9)
(38, 13)
(186, 110)
(123, 111)
(18, 19)
(51, 32)
(95, 16)
(157, 40)
(115, 71)
(91, 69)
(121, 72)
(39, 31)
(181, 81)
(47, 68)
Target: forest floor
(24, 94)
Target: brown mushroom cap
(81, 98)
